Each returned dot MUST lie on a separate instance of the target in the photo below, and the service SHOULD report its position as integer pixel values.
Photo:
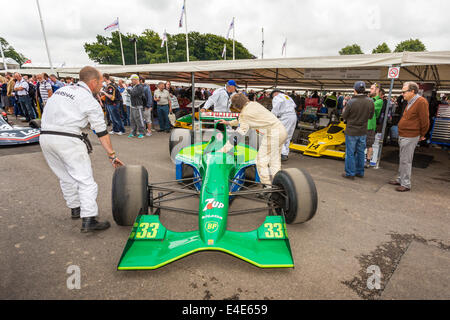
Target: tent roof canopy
(306, 72)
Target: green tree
(106, 50)
(382, 48)
(351, 49)
(410, 45)
(10, 52)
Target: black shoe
(160, 130)
(348, 177)
(91, 224)
(284, 158)
(359, 175)
(75, 213)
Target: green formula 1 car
(216, 178)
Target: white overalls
(69, 110)
(283, 107)
(220, 100)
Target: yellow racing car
(329, 141)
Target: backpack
(144, 97)
(118, 97)
(380, 119)
(31, 90)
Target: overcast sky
(312, 27)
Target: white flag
(113, 25)
(229, 29)
(180, 24)
(164, 39)
(224, 50)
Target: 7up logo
(210, 204)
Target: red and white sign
(219, 115)
(394, 73)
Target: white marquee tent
(309, 72)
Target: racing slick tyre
(179, 138)
(300, 205)
(35, 123)
(129, 194)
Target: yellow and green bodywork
(329, 141)
(185, 121)
(151, 245)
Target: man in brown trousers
(412, 128)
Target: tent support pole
(276, 79)
(194, 124)
(386, 114)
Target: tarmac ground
(367, 241)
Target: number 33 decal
(270, 230)
(144, 233)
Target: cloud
(313, 28)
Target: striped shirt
(44, 86)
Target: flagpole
(120, 39)
(285, 49)
(135, 50)
(3, 57)
(234, 26)
(167, 47)
(262, 44)
(187, 41)
(45, 37)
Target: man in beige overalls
(255, 116)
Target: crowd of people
(135, 104)
(67, 106)
(25, 96)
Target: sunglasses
(403, 92)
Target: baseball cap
(134, 76)
(274, 91)
(231, 83)
(359, 86)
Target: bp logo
(211, 227)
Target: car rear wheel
(179, 138)
(298, 200)
(250, 173)
(129, 194)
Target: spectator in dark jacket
(148, 108)
(138, 101)
(357, 112)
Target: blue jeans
(163, 117)
(354, 155)
(124, 114)
(27, 107)
(114, 112)
(128, 115)
(13, 102)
